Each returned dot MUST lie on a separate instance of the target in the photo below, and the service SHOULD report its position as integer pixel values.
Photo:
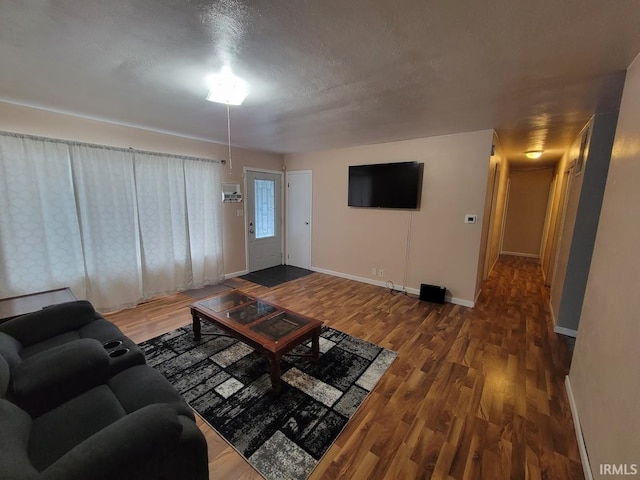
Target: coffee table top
(271, 326)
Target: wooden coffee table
(271, 330)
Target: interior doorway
(264, 218)
(299, 196)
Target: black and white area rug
(228, 384)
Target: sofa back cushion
(15, 425)
(50, 321)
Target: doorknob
(251, 230)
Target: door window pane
(265, 196)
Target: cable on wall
(406, 257)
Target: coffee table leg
(315, 345)
(276, 382)
(196, 326)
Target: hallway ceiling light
(533, 154)
(226, 88)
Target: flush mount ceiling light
(533, 154)
(226, 88)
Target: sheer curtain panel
(40, 245)
(162, 210)
(204, 213)
(106, 193)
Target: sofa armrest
(120, 449)
(45, 380)
(49, 322)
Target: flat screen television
(385, 185)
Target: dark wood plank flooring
(474, 393)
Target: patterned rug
(228, 384)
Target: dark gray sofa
(69, 410)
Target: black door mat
(274, 276)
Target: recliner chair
(133, 426)
(60, 351)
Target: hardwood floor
(474, 393)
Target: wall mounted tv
(385, 185)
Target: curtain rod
(106, 147)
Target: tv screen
(385, 185)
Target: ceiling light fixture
(228, 89)
(533, 154)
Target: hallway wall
(604, 372)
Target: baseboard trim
(566, 331)
(582, 447)
(519, 254)
(235, 274)
(456, 301)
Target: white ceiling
(325, 74)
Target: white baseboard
(519, 254)
(380, 283)
(565, 331)
(582, 447)
(235, 274)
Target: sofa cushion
(14, 425)
(139, 386)
(53, 434)
(46, 380)
(49, 343)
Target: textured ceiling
(325, 74)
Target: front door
(264, 224)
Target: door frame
(287, 176)
(282, 212)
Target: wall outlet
(380, 272)
(374, 272)
(470, 218)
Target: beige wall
(604, 372)
(443, 251)
(14, 118)
(526, 212)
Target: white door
(264, 219)
(299, 186)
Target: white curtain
(166, 263)
(204, 213)
(105, 190)
(116, 226)
(40, 245)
